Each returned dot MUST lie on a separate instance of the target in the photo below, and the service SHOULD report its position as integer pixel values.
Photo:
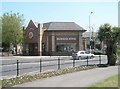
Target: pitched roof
(36, 24)
(31, 23)
(62, 26)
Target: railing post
(58, 63)
(40, 65)
(99, 59)
(17, 68)
(87, 60)
(73, 62)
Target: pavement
(76, 79)
(32, 57)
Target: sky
(69, 11)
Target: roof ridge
(59, 22)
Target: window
(82, 53)
(65, 47)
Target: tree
(0, 32)
(110, 36)
(11, 30)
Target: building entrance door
(33, 49)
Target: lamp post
(90, 29)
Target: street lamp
(90, 29)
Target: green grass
(109, 82)
(0, 84)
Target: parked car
(82, 55)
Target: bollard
(17, 68)
(40, 65)
(99, 59)
(87, 60)
(73, 62)
(58, 63)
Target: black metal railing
(41, 64)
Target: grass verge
(27, 78)
(111, 82)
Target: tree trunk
(15, 49)
(111, 54)
(111, 60)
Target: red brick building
(52, 38)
